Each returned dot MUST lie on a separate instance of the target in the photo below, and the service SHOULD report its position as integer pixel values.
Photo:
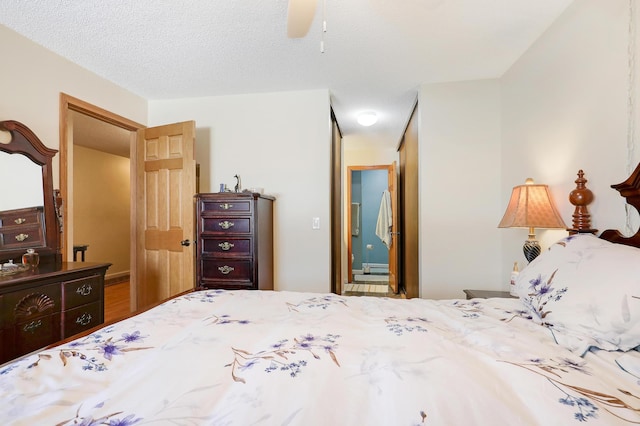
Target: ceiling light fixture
(367, 119)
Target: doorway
(79, 119)
(371, 250)
(101, 195)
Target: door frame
(69, 103)
(350, 170)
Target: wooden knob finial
(581, 197)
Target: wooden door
(336, 207)
(409, 211)
(165, 187)
(395, 235)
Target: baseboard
(374, 268)
(116, 278)
(378, 265)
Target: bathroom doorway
(371, 246)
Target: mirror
(28, 216)
(27, 176)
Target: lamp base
(531, 249)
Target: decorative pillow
(587, 292)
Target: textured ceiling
(376, 52)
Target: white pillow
(587, 292)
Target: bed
(564, 352)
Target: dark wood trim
(630, 190)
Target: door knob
(185, 243)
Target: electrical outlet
(315, 224)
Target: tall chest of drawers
(234, 243)
(54, 302)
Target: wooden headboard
(581, 196)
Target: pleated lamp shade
(531, 207)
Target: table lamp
(531, 207)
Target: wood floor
(390, 294)
(366, 285)
(116, 301)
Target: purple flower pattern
(406, 325)
(578, 397)
(285, 355)
(540, 293)
(322, 302)
(107, 347)
(110, 420)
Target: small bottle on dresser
(512, 281)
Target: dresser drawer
(53, 302)
(226, 206)
(227, 225)
(21, 217)
(25, 305)
(227, 270)
(81, 291)
(82, 318)
(21, 236)
(36, 333)
(223, 246)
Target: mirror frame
(24, 141)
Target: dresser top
(236, 195)
(49, 271)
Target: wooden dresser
(234, 241)
(56, 301)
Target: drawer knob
(84, 319)
(85, 290)
(225, 269)
(226, 224)
(226, 206)
(20, 221)
(22, 237)
(32, 326)
(226, 245)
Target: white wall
(101, 202)
(564, 108)
(560, 108)
(282, 143)
(459, 131)
(32, 78)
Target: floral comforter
(287, 358)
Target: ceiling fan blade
(299, 17)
